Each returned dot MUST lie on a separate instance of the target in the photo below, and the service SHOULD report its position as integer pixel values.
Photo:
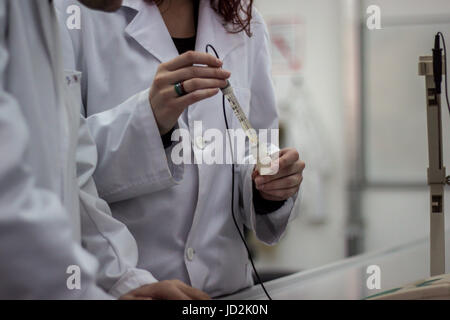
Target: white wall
(396, 128)
(308, 244)
(395, 131)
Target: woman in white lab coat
(180, 215)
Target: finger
(194, 97)
(192, 57)
(297, 167)
(282, 165)
(198, 83)
(178, 294)
(284, 183)
(193, 85)
(193, 293)
(254, 174)
(172, 292)
(196, 72)
(287, 157)
(164, 290)
(270, 197)
(279, 195)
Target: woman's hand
(166, 290)
(286, 182)
(199, 82)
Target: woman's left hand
(286, 182)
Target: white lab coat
(48, 200)
(180, 215)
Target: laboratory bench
(347, 279)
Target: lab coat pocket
(72, 89)
(71, 112)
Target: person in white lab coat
(49, 207)
(180, 215)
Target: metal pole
(436, 170)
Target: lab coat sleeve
(36, 239)
(105, 237)
(263, 115)
(132, 160)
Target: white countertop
(347, 279)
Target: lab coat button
(190, 254)
(199, 142)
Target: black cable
(439, 34)
(232, 189)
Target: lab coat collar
(149, 30)
(133, 4)
(211, 30)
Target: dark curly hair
(238, 13)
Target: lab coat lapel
(49, 24)
(211, 30)
(149, 30)
(50, 33)
(67, 112)
(49, 30)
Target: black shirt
(184, 44)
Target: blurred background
(351, 101)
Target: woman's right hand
(199, 82)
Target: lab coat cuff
(151, 169)
(130, 281)
(176, 171)
(95, 293)
(271, 227)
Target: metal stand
(436, 170)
